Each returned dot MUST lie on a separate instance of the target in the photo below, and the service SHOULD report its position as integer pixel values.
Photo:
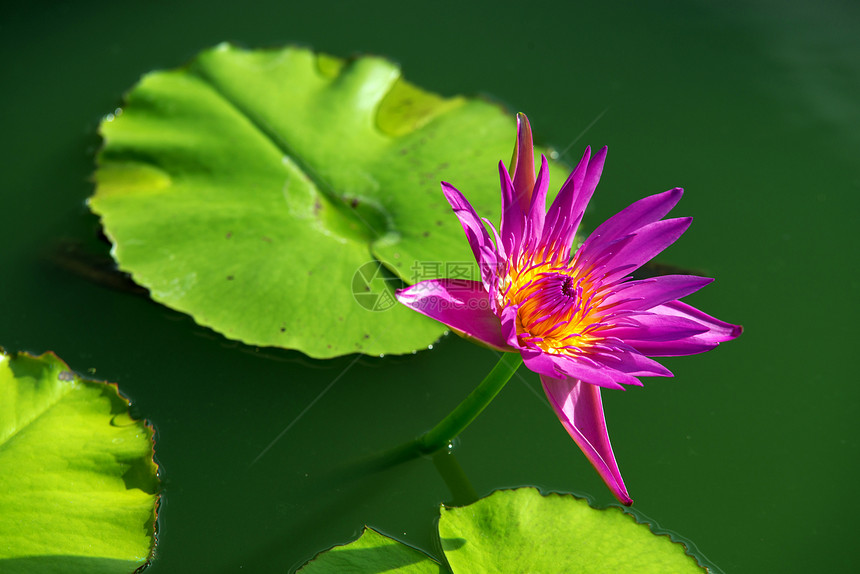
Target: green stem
(443, 433)
(452, 473)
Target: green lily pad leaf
(372, 552)
(280, 196)
(78, 485)
(554, 533)
(520, 530)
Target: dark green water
(750, 452)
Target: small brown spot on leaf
(267, 239)
(283, 329)
(438, 222)
(229, 235)
(426, 234)
(353, 203)
(66, 376)
(229, 277)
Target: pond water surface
(750, 452)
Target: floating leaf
(554, 533)
(78, 486)
(373, 552)
(521, 531)
(259, 191)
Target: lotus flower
(580, 321)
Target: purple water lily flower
(581, 322)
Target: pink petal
(585, 369)
(645, 294)
(589, 184)
(654, 325)
(537, 209)
(679, 348)
(462, 305)
(715, 332)
(625, 359)
(513, 217)
(523, 165)
(630, 219)
(509, 326)
(580, 410)
(565, 198)
(482, 246)
(566, 211)
(627, 253)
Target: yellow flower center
(559, 305)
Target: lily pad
(373, 552)
(78, 485)
(554, 533)
(520, 530)
(251, 189)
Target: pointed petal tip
(461, 305)
(448, 189)
(670, 196)
(673, 196)
(455, 197)
(696, 279)
(403, 293)
(522, 168)
(597, 160)
(586, 156)
(580, 410)
(618, 489)
(524, 143)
